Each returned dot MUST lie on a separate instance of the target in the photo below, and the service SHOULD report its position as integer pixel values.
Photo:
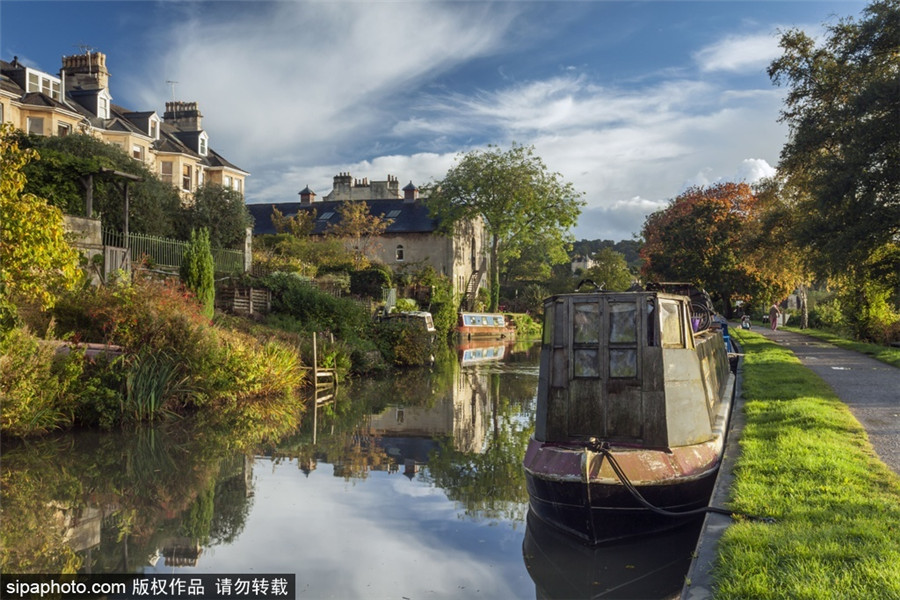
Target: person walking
(774, 311)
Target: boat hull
(577, 490)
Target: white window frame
(103, 102)
(154, 127)
(398, 253)
(167, 177)
(63, 129)
(203, 144)
(137, 152)
(35, 125)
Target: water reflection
(413, 488)
(645, 567)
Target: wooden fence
(165, 252)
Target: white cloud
(752, 170)
(739, 53)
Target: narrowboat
(473, 325)
(634, 396)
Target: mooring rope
(603, 450)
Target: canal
(413, 489)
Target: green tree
(517, 198)
(298, 225)
(198, 269)
(222, 212)
(610, 270)
(63, 174)
(36, 261)
(843, 109)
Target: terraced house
(78, 99)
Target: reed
(153, 377)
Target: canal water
(409, 488)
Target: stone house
(411, 239)
(78, 99)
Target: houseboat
(473, 325)
(634, 396)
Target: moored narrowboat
(632, 410)
(484, 325)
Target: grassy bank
(806, 461)
(885, 354)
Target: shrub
(404, 344)
(317, 310)
(369, 282)
(35, 384)
(198, 270)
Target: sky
(631, 102)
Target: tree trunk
(495, 274)
(804, 306)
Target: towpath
(869, 387)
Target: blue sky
(632, 102)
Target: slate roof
(407, 217)
(121, 120)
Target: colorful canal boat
(633, 403)
(484, 325)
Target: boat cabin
(627, 368)
(484, 325)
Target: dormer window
(103, 100)
(202, 144)
(41, 82)
(154, 128)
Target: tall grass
(153, 377)
(806, 461)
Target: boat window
(587, 323)
(622, 323)
(671, 324)
(623, 362)
(586, 363)
(498, 321)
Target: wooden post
(315, 388)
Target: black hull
(608, 512)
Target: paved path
(869, 387)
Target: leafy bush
(368, 283)
(404, 344)
(35, 384)
(317, 310)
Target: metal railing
(166, 252)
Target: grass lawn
(806, 461)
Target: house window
(187, 177)
(36, 125)
(63, 129)
(239, 185)
(326, 216)
(399, 253)
(201, 176)
(227, 182)
(393, 214)
(165, 171)
(202, 146)
(154, 130)
(137, 152)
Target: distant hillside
(629, 248)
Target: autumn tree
(701, 237)
(36, 260)
(359, 228)
(298, 225)
(518, 199)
